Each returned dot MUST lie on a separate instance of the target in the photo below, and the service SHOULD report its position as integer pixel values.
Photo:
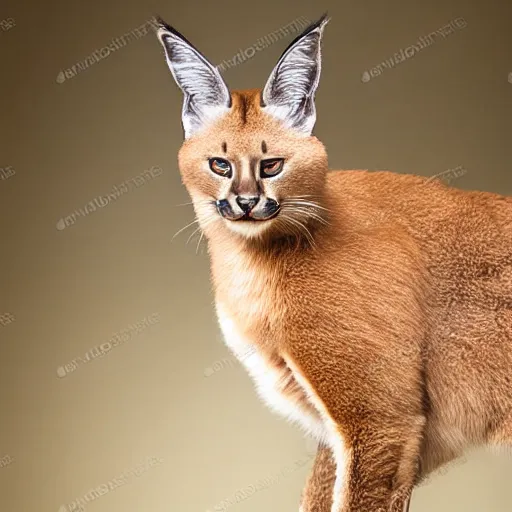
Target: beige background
(172, 392)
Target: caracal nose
(247, 203)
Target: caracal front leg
(317, 495)
(376, 448)
(375, 467)
(383, 470)
(318, 492)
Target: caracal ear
(206, 95)
(289, 93)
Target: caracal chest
(276, 382)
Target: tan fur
(399, 316)
(317, 495)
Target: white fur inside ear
(193, 122)
(206, 95)
(285, 114)
(289, 94)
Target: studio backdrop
(116, 390)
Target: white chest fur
(269, 381)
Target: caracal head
(249, 160)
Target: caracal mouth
(248, 218)
(250, 227)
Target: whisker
(308, 196)
(207, 223)
(183, 229)
(198, 243)
(306, 203)
(308, 234)
(183, 204)
(306, 209)
(309, 212)
(200, 202)
(282, 219)
(193, 233)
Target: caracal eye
(220, 166)
(271, 167)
